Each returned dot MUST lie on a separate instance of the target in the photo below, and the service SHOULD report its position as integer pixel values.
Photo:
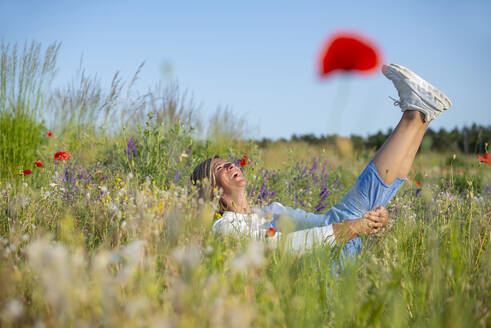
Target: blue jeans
(368, 192)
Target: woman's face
(228, 176)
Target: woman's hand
(371, 223)
(377, 219)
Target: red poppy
(62, 155)
(243, 161)
(26, 172)
(271, 232)
(38, 163)
(419, 183)
(49, 134)
(486, 159)
(348, 52)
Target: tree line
(468, 140)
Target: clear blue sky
(258, 57)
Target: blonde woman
(361, 211)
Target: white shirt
(307, 229)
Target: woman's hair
(203, 178)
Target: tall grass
(115, 236)
(25, 77)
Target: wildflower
(183, 155)
(49, 134)
(131, 148)
(26, 172)
(177, 176)
(62, 155)
(486, 159)
(244, 161)
(271, 232)
(253, 257)
(12, 310)
(321, 204)
(188, 256)
(348, 52)
(419, 183)
(38, 163)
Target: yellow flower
(183, 155)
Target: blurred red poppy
(62, 155)
(419, 183)
(271, 232)
(346, 51)
(26, 172)
(243, 161)
(486, 159)
(38, 163)
(49, 134)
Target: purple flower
(324, 167)
(177, 176)
(313, 171)
(188, 187)
(335, 184)
(396, 210)
(418, 192)
(487, 190)
(321, 204)
(253, 190)
(131, 148)
(262, 189)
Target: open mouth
(235, 175)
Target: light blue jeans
(368, 192)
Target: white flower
(209, 249)
(188, 256)
(253, 257)
(12, 310)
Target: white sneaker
(416, 93)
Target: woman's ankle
(413, 115)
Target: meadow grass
(115, 235)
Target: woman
(361, 211)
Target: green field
(115, 237)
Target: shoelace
(396, 102)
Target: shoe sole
(410, 75)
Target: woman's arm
(337, 233)
(299, 218)
(302, 240)
(371, 222)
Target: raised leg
(395, 157)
